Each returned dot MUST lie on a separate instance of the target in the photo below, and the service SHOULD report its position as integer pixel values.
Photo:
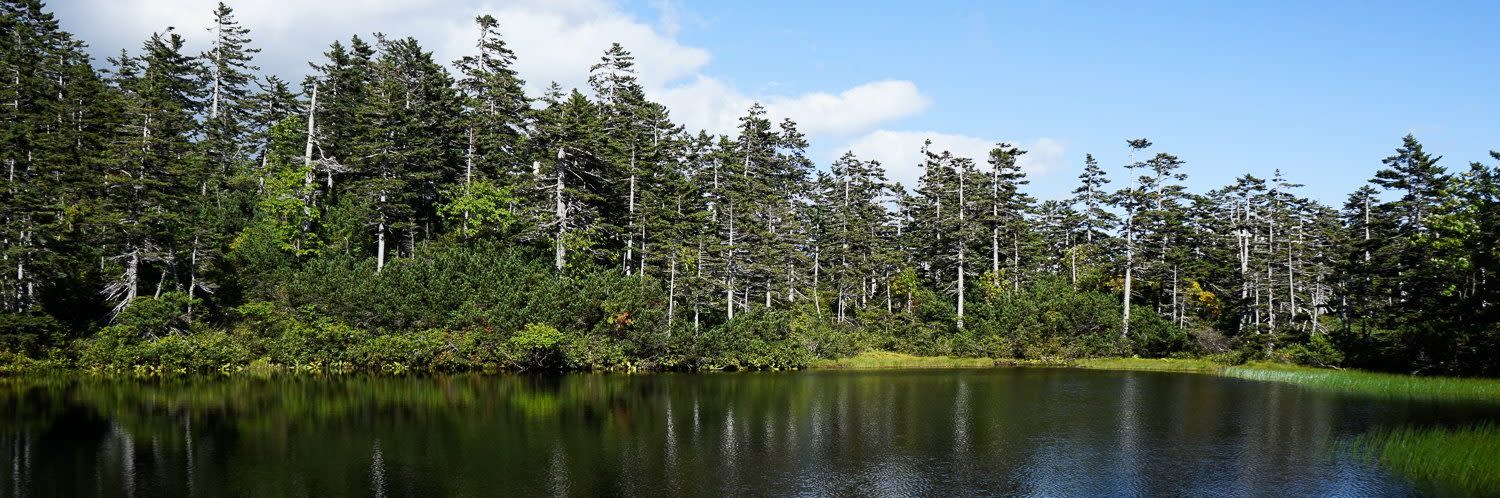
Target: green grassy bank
(888, 359)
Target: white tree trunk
(671, 293)
(961, 227)
(560, 251)
(380, 240)
(307, 148)
(468, 178)
(995, 230)
(630, 214)
(1129, 271)
(729, 267)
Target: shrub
(321, 343)
(28, 333)
(537, 346)
(426, 350)
(156, 316)
(1318, 351)
(1153, 336)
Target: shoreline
(1349, 381)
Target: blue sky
(1322, 90)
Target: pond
(1003, 431)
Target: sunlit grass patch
(1150, 364)
(1370, 383)
(1463, 461)
(887, 359)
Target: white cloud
(901, 151)
(554, 40)
(853, 110)
(714, 105)
(560, 46)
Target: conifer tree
(1132, 200)
(1007, 207)
(155, 167)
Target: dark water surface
(1009, 431)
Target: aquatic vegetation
(1454, 461)
(1370, 383)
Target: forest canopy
(171, 210)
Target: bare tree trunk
(961, 249)
(630, 214)
(790, 283)
(817, 304)
(307, 148)
(1291, 284)
(1176, 308)
(1270, 270)
(132, 279)
(1015, 264)
(380, 240)
(1073, 266)
(671, 293)
(1129, 267)
(560, 251)
(192, 278)
(729, 267)
(468, 179)
(697, 280)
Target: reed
(1450, 461)
(1371, 383)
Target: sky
(1320, 90)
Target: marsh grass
(1459, 461)
(1371, 383)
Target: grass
(1458, 461)
(1347, 381)
(887, 359)
(1370, 383)
(1150, 364)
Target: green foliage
(156, 316)
(118, 348)
(396, 352)
(536, 346)
(762, 340)
(28, 333)
(1050, 319)
(480, 208)
(1318, 351)
(1152, 336)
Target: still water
(1007, 431)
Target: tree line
(179, 209)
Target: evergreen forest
(183, 212)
